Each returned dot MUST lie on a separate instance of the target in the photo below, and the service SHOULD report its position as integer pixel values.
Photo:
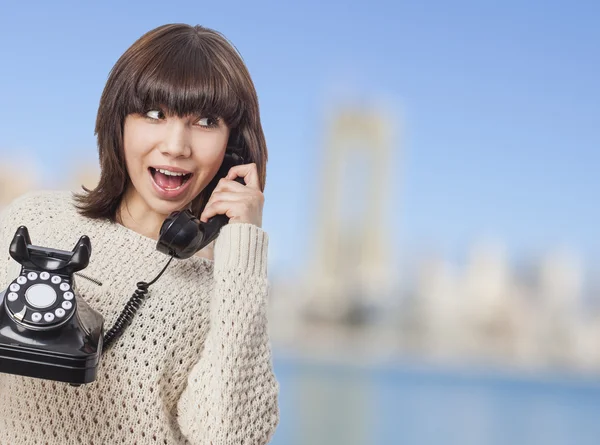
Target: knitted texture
(194, 367)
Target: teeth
(169, 173)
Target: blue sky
(497, 106)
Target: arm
(232, 394)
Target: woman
(195, 364)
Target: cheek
(135, 146)
(210, 150)
(132, 159)
(208, 165)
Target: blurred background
(433, 167)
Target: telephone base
(70, 354)
(44, 365)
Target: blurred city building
(23, 174)
(351, 273)
(17, 176)
(84, 175)
(487, 310)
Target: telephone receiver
(182, 234)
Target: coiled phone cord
(132, 306)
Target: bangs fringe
(180, 80)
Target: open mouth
(169, 180)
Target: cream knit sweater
(194, 367)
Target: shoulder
(50, 217)
(50, 210)
(41, 201)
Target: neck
(134, 214)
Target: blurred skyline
(496, 107)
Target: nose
(176, 141)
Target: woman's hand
(241, 203)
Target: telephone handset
(182, 234)
(47, 330)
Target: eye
(155, 114)
(208, 122)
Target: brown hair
(188, 70)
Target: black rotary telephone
(47, 330)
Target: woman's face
(170, 159)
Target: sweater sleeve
(231, 395)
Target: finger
(229, 185)
(228, 196)
(218, 208)
(248, 172)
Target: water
(332, 404)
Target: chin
(165, 208)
